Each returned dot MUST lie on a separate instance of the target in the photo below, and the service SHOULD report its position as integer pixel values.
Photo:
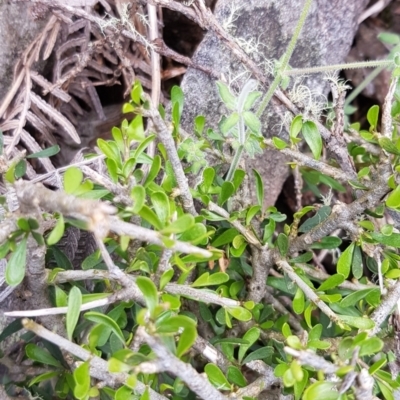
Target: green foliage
(251, 309)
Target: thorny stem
(338, 67)
(242, 134)
(296, 34)
(367, 80)
(235, 163)
(285, 59)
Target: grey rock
(326, 38)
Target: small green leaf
(240, 313)
(186, 340)
(57, 233)
(259, 188)
(315, 333)
(321, 390)
(149, 290)
(128, 167)
(195, 234)
(327, 242)
(154, 170)
(226, 237)
(41, 355)
(136, 92)
(387, 229)
(251, 99)
(279, 143)
(82, 381)
(300, 385)
(183, 223)
(393, 201)
(108, 150)
(259, 354)
(296, 126)
(134, 130)
(252, 121)
(321, 215)
(108, 322)
(199, 124)
(370, 346)
(389, 38)
(23, 224)
(253, 210)
(355, 297)
(10, 329)
(228, 123)
(363, 172)
(143, 145)
(377, 365)
(303, 211)
(358, 322)
(227, 190)
(294, 342)
(166, 277)
(238, 178)
(214, 279)
(15, 270)
(150, 216)
(303, 258)
(208, 178)
(368, 225)
(283, 244)
(161, 206)
(235, 376)
(357, 185)
(226, 96)
(386, 389)
(9, 175)
(345, 261)
(388, 146)
(392, 240)
(298, 302)
(269, 230)
(332, 282)
(357, 265)
(43, 377)
(73, 177)
(312, 138)
(74, 309)
(251, 336)
(372, 116)
(49, 152)
(138, 195)
(20, 169)
(123, 393)
(216, 377)
(286, 331)
(177, 97)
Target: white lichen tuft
(312, 103)
(229, 23)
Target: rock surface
(325, 39)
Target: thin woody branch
(196, 382)
(165, 137)
(98, 366)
